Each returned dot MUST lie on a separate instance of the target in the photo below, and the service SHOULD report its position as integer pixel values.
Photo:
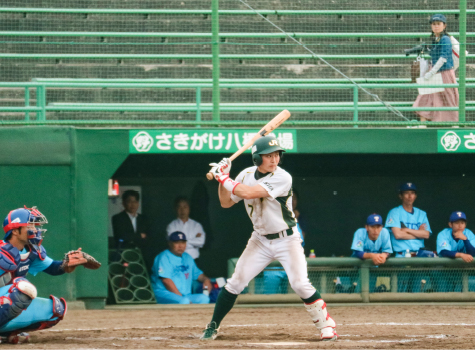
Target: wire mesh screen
(334, 280)
(336, 42)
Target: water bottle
(312, 254)
(408, 254)
(205, 290)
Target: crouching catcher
(21, 252)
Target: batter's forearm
(225, 197)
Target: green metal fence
(222, 42)
(351, 279)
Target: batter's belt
(280, 234)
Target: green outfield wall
(342, 175)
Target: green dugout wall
(342, 175)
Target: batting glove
(222, 178)
(224, 166)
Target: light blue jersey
(445, 241)
(182, 270)
(399, 217)
(362, 243)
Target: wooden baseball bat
(269, 127)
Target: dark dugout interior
(336, 194)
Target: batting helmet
(265, 145)
(23, 217)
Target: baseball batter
(267, 193)
(21, 252)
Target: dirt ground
(360, 327)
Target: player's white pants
(260, 252)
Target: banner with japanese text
(201, 140)
(456, 141)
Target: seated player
(373, 241)
(21, 252)
(457, 241)
(173, 273)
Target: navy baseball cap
(438, 17)
(374, 219)
(177, 236)
(457, 215)
(408, 186)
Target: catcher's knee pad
(318, 313)
(19, 297)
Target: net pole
(215, 59)
(462, 58)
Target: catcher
(21, 252)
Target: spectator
(173, 273)
(191, 228)
(130, 228)
(443, 63)
(372, 241)
(407, 224)
(457, 241)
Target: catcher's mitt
(77, 257)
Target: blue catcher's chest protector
(27, 259)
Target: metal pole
(364, 282)
(462, 67)
(215, 61)
(355, 104)
(198, 106)
(27, 102)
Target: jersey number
(252, 209)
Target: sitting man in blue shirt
(372, 241)
(457, 241)
(407, 224)
(173, 273)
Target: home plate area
(393, 326)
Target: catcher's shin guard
(321, 318)
(59, 311)
(20, 296)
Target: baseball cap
(177, 236)
(438, 17)
(374, 219)
(457, 215)
(408, 186)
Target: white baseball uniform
(271, 215)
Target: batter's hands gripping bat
(269, 127)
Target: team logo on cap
(376, 218)
(142, 141)
(450, 141)
(273, 143)
(459, 214)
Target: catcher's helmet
(22, 217)
(265, 145)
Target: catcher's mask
(265, 145)
(24, 217)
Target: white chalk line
(265, 325)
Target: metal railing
(363, 274)
(216, 37)
(42, 107)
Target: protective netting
(363, 41)
(334, 280)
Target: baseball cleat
(211, 331)
(14, 338)
(328, 334)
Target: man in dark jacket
(129, 227)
